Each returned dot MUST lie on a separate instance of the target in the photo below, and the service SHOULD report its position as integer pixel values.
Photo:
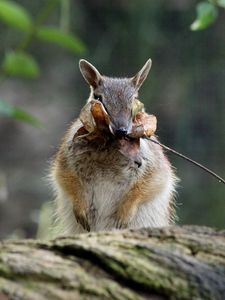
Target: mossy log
(169, 263)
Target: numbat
(106, 174)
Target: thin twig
(188, 159)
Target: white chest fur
(106, 177)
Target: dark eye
(98, 97)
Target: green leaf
(63, 39)
(20, 64)
(15, 15)
(221, 3)
(17, 113)
(206, 15)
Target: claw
(119, 220)
(81, 218)
(123, 215)
(121, 224)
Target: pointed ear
(140, 77)
(90, 73)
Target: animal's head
(116, 94)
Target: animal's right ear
(90, 73)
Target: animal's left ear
(140, 77)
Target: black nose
(121, 132)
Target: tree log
(168, 263)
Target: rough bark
(169, 263)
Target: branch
(169, 263)
(188, 159)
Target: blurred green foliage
(207, 13)
(60, 38)
(17, 113)
(15, 15)
(19, 62)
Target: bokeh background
(185, 90)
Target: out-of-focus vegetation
(185, 90)
(207, 13)
(19, 62)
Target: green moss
(5, 271)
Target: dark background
(185, 90)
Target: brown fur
(105, 187)
(72, 186)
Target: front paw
(81, 218)
(123, 216)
